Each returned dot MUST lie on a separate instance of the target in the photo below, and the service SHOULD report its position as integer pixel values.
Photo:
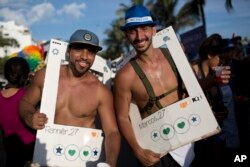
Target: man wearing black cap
(81, 96)
(139, 29)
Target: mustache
(83, 60)
(136, 41)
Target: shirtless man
(139, 31)
(81, 96)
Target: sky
(48, 19)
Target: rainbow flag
(33, 55)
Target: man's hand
(147, 157)
(38, 120)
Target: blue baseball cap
(85, 37)
(137, 15)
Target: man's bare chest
(159, 79)
(77, 100)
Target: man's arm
(122, 98)
(27, 107)
(109, 125)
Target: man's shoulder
(39, 76)
(125, 70)
(95, 83)
(125, 77)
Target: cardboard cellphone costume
(188, 120)
(61, 145)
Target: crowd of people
(150, 80)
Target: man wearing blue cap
(81, 96)
(149, 80)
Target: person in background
(18, 138)
(232, 56)
(81, 96)
(239, 83)
(212, 151)
(139, 30)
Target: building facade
(18, 32)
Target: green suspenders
(152, 98)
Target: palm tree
(195, 9)
(191, 12)
(162, 10)
(116, 42)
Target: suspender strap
(143, 78)
(171, 62)
(152, 98)
(147, 85)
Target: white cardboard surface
(60, 145)
(183, 122)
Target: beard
(142, 45)
(78, 69)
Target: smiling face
(141, 37)
(81, 58)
